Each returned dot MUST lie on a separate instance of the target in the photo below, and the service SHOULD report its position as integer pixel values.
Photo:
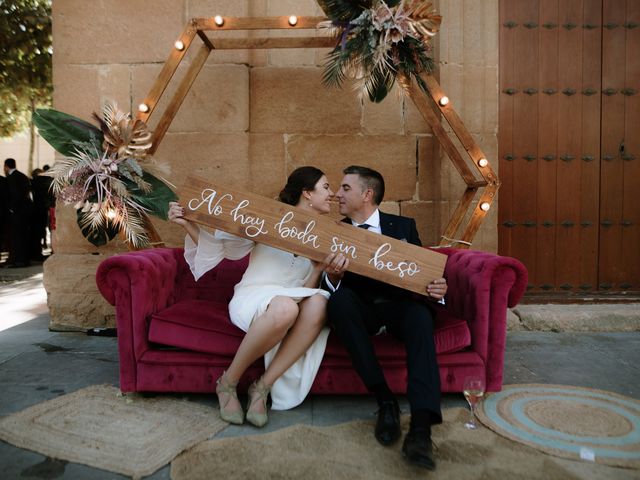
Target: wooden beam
(458, 216)
(169, 68)
(275, 42)
(458, 127)
(257, 23)
(205, 39)
(308, 234)
(178, 97)
(478, 214)
(420, 100)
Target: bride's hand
(176, 214)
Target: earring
(310, 204)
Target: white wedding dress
(271, 272)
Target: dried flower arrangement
(101, 173)
(379, 42)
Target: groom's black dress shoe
(418, 449)
(388, 425)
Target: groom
(360, 307)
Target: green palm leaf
(343, 10)
(155, 201)
(98, 236)
(66, 133)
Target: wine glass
(473, 389)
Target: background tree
(25, 65)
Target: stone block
(223, 158)
(81, 90)
(291, 57)
(513, 322)
(394, 156)
(473, 33)
(293, 100)
(414, 122)
(267, 165)
(490, 98)
(580, 318)
(293, 7)
(474, 101)
(384, 117)
(321, 55)
(116, 31)
(299, 56)
(237, 8)
(451, 35)
(390, 207)
(427, 217)
(218, 101)
(429, 168)
(491, 34)
(72, 294)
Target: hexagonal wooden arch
(429, 105)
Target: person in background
(40, 191)
(51, 221)
(20, 207)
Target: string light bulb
(143, 107)
(111, 214)
(485, 206)
(444, 100)
(179, 45)
(218, 20)
(293, 20)
(483, 162)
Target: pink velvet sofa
(174, 334)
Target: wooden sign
(313, 236)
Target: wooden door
(569, 143)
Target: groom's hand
(336, 267)
(437, 289)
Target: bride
(277, 303)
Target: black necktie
(366, 226)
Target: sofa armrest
(481, 287)
(138, 284)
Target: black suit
(361, 306)
(20, 206)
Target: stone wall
(253, 116)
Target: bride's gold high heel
(258, 392)
(223, 387)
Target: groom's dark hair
(370, 179)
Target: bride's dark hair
(303, 178)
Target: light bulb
(485, 206)
(111, 214)
(483, 162)
(179, 45)
(143, 107)
(293, 20)
(444, 101)
(219, 20)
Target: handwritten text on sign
(310, 235)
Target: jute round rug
(97, 426)
(349, 451)
(570, 422)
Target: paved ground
(37, 365)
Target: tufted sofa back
(215, 286)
